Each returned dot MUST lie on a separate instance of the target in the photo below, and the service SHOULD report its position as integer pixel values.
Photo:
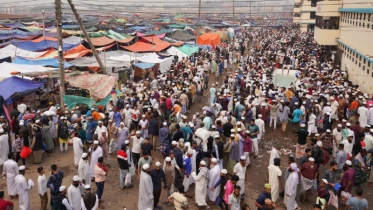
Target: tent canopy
(6, 69)
(181, 35)
(16, 88)
(209, 39)
(42, 62)
(188, 50)
(39, 46)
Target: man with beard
(309, 172)
(100, 177)
(22, 186)
(96, 152)
(214, 177)
(337, 138)
(63, 202)
(327, 141)
(201, 184)
(330, 175)
(83, 170)
(74, 193)
(348, 145)
(146, 197)
(90, 200)
(158, 175)
(240, 171)
(291, 187)
(10, 171)
(234, 199)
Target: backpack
(325, 155)
(120, 104)
(64, 132)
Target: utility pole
(199, 20)
(60, 51)
(103, 69)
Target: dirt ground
(116, 199)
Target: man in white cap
(240, 170)
(84, 170)
(187, 169)
(127, 113)
(123, 133)
(327, 141)
(96, 152)
(291, 188)
(137, 140)
(74, 193)
(158, 176)
(309, 173)
(348, 178)
(100, 130)
(10, 171)
(274, 179)
(214, 177)
(23, 186)
(63, 202)
(78, 147)
(4, 146)
(90, 200)
(337, 138)
(146, 197)
(201, 184)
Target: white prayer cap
(164, 123)
(138, 132)
(348, 162)
(224, 171)
(66, 112)
(62, 188)
(296, 103)
(364, 102)
(370, 104)
(328, 131)
(72, 111)
(96, 142)
(344, 120)
(319, 143)
(238, 129)
(216, 136)
(174, 142)
(121, 123)
(214, 160)
(302, 125)
(126, 142)
(328, 113)
(145, 166)
(213, 126)
(127, 105)
(84, 155)
(325, 181)
(339, 125)
(87, 186)
(190, 151)
(259, 115)
(232, 135)
(202, 163)
(110, 120)
(99, 122)
(242, 118)
(204, 112)
(38, 121)
(75, 178)
(168, 159)
(243, 158)
(184, 117)
(282, 101)
(317, 134)
(21, 123)
(247, 132)
(348, 124)
(148, 109)
(92, 109)
(181, 140)
(21, 168)
(263, 104)
(77, 107)
(157, 164)
(143, 115)
(311, 159)
(191, 125)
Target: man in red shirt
(5, 205)
(308, 172)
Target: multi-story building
(305, 14)
(348, 25)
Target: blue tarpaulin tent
(13, 25)
(43, 45)
(15, 88)
(42, 62)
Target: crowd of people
(330, 117)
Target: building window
(364, 61)
(312, 15)
(364, 16)
(368, 25)
(368, 64)
(359, 65)
(361, 15)
(363, 68)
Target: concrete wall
(326, 36)
(328, 8)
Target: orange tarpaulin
(42, 38)
(209, 39)
(101, 41)
(126, 40)
(177, 44)
(147, 47)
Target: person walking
(90, 200)
(23, 186)
(100, 177)
(291, 188)
(83, 170)
(274, 179)
(146, 197)
(10, 171)
(54, 183)
(96, 152)
(122, 159)
(42, 189)
(74, 193)
(158, 176)
(63, 202)
(201, 184)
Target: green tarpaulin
(114, 35)
(176, 26)
(91, 35)
(72, 101)
(188, 50)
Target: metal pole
(60, 51)
(199, 20)
(87, 37)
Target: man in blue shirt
(187, 164)
(297, 117)
(254, 131)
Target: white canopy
(72, 40)
(164, 64)
(13, 51)
(174, 51)
(7, 68)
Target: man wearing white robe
(240, 170)
(364, 114)
(370, 114)
(260, 123)
(291, 188)
(275, 153)
(214, 177)
(74, 194)
(194, 164)
(311, 123)
(274, 179)
(101, 129)
(83, 171)
(10, 171)
(201, 183)
(127, 112)
(96, 152)
(146, 197)
(23, 187)
(78, 148)
(4, 146)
